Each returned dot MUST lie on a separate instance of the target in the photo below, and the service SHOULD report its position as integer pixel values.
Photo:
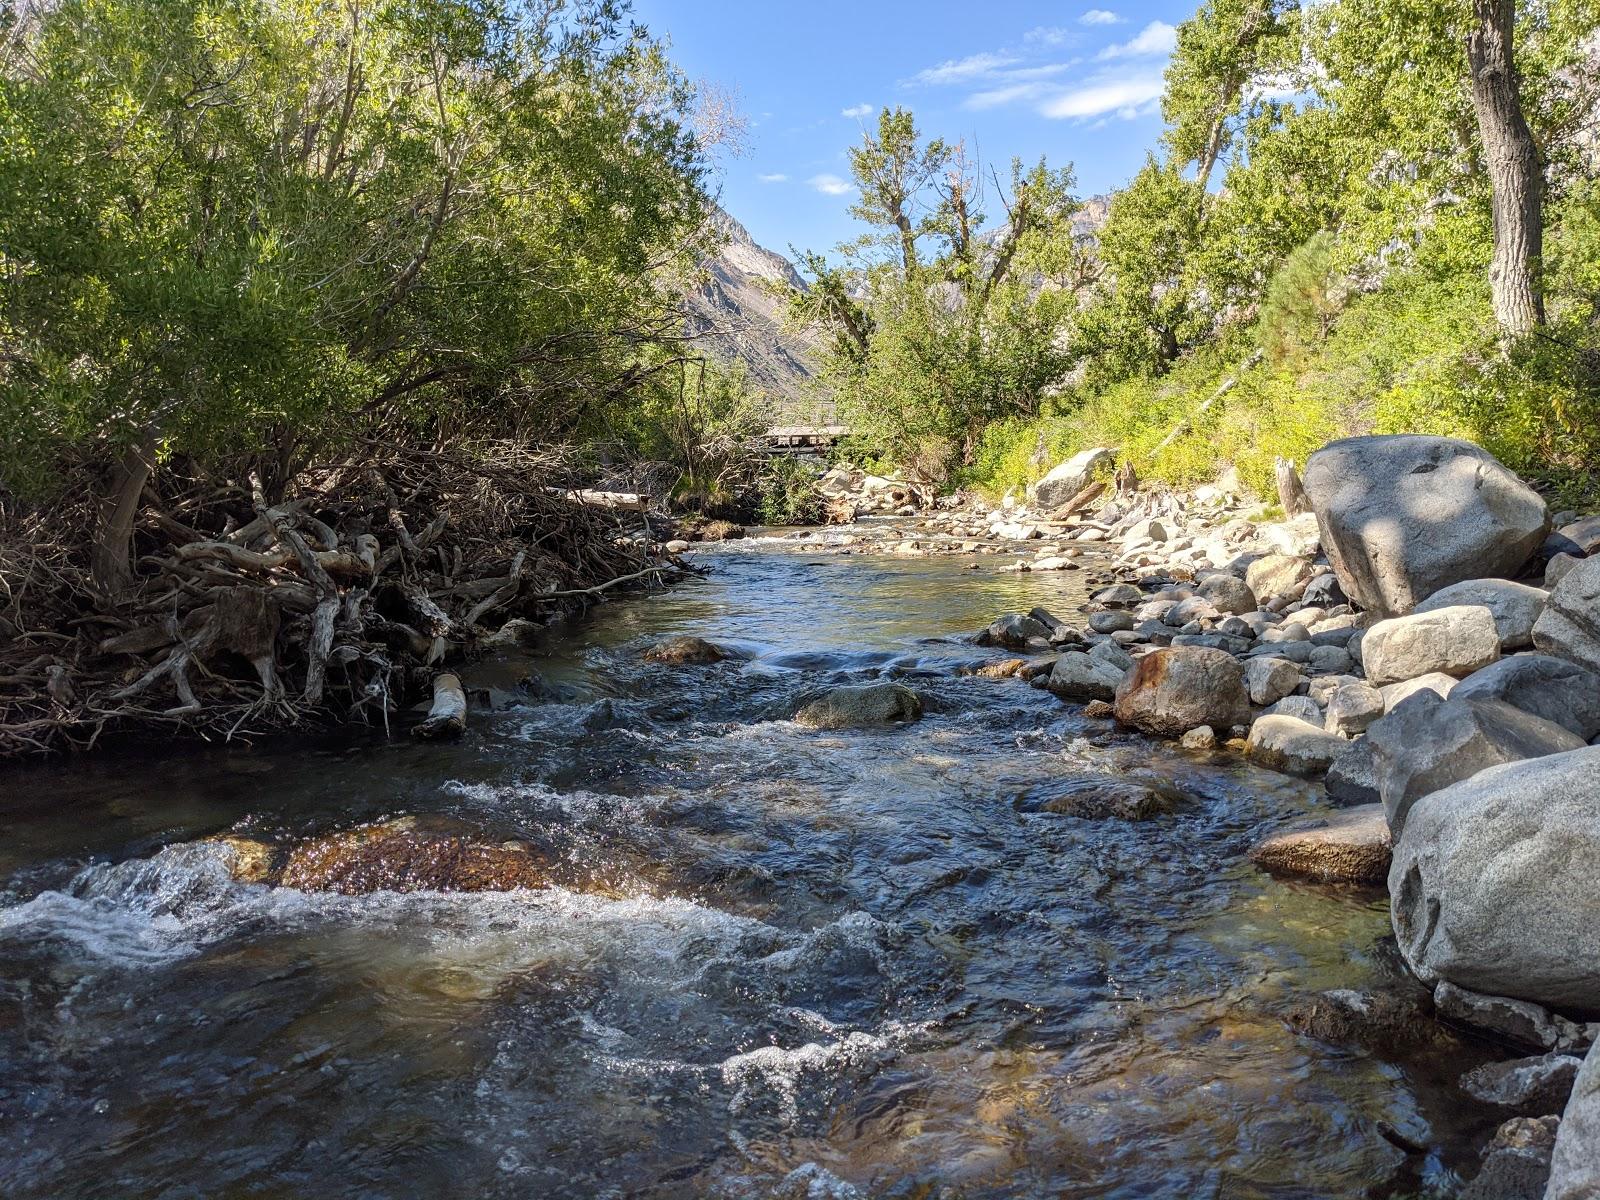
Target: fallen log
(448, 716)
(617, 501)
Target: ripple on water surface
(799, 964)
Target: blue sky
(1074, 82)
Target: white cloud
(1154, 39)
(831, 185)
(1048, 35)
(1126, 97)
(997, 97)
(776, 177)
(1099, 16)
(961, 70)
(856, 111)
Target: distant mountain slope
(740, 318)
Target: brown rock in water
(1351, 846)
(685, 651)
(1098, 798)
(720, 531)
(400, 856)
(1383, 1021)
(250, 860)
(1003, 668)
(1172, 691)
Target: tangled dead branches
(337, 599)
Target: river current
(795, 964)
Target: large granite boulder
(1172, 691)
(1403, 516)
(1514, 606)
(1269, 680)
(1227, 593)
(1543, 685)
(1575, 1165)
(1453, 641)
(1429, 743)
(1016, 631)
(861, 707)
(1493, 885)
(1071, 477)
(1570, 626)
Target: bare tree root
(337, 603)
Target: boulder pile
(1425, 643)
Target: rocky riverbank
(1424, 637)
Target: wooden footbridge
(801, 439)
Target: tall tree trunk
(111, 556)
(1514, 171)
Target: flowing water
(797, 964)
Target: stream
(798, 964)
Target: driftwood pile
(339, 598)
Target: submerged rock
(1172, 691)
(861, 707)
(402, 855)
(1385, 1021)
(1493, 885)
(686, 651)
(1351, 846)
(1097, 797)
(1404, 516)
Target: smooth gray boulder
(1353, 708)
(1292, 746)
(1352, 776)
(1427, 744)
(1227, 593)
(1172, 691)
(1585, 532)
(1493, 885)
(1405, 515)
(1515, 606)
(1079, 676)
(1570, 626)
(1453, 641)
(861, 707)
(1302, 708)
(1014, 631)
(1439, 684)
(1575, 1165)
(1278, 575)
(1269, 680)
(1069, 478)
(1543, 685)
